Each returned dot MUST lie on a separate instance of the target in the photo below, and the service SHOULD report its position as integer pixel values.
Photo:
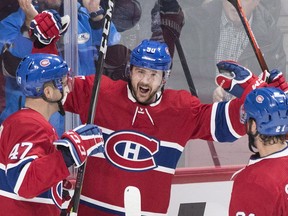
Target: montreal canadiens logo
(259, 99)
(132, 151)
(44, 62)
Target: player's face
(247, 5)
(67, 87)
(145, 84)
(57, 93)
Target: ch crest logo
(132, 151)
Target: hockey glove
(276, 79)
(77, 144)
(46, 29)
(167, 22)
(67, 186)
(236, 79)
(172, 17)
(46, 26)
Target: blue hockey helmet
(35, 70)
(151, 55)
(269, 108)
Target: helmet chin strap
(59, 102)
(61, 109)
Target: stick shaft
(92, 109)
(189, 80)
(250, 35)
(193, 91)
(185, 67)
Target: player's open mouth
(143, 90)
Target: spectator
(6, 7)
(126, 14)
(218, 34)
(274, 7)
(32, 169)
(146, 128)
(264, 179)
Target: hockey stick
(251, 37)
(94, 97)
(185, 67)
(172, 25)
(193, 91)
(132, 201)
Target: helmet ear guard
(269, 108)
(166, 76)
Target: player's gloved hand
(67, 185)
(48, 25)
(276, 79)
(264, 76)
(46, 29)
(77, 144)
(236, 79)
(172, 17)
(167, 22)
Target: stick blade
(132, 201)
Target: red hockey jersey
(31, 169)
(143, 143)
(261, 188)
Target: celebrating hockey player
(261, 187)
(31, 167)
(146, 127)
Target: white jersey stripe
(212, 123)
(172, 145)
(21, 177)
(165, 170)
(231, 129)
(35, 200)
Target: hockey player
(146, 128)
(31, 168)
(261, 187)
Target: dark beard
(150, 99)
